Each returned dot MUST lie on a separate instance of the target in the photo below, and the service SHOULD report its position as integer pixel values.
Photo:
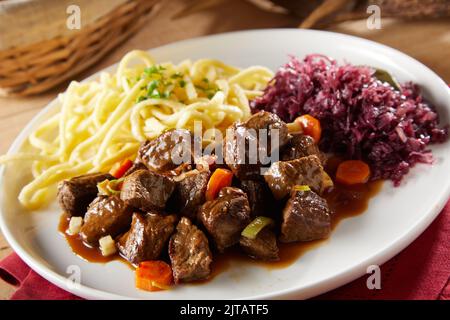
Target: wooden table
(428, 42)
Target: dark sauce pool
(344, 202)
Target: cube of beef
(135, 167)
(225, 217)
(105, 216)
(189, 192)
(306, 217)
(147, 190)
(189, 253)
(75, 195)
(244, 146)
(167, 151)
(263, 247)
(283, 175)
(300, 146)
(147, 237)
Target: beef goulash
(179, 217)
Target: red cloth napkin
(421, 271)
(31, 286)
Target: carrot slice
(221, 178)
(119, 169)
(153, 276)
(353, 172)
(311, 126)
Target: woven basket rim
(39, 66)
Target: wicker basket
(37, 67)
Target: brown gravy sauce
(344, 202)
(79, 248)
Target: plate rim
(322, 286)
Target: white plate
(396, 216)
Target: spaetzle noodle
(104, 121)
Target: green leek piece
(114, 186)
(109, 188)
(302, 188)
(252, 230)
(103, 188)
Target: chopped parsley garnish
(161, 85)
(152, 86)
(176, 75)
(207, 88)
(155, 69)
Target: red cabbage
(361, 117)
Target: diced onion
(252, 230)
(107, 246)
(75, 225)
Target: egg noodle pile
(101, 122)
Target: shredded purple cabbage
(361, 117)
